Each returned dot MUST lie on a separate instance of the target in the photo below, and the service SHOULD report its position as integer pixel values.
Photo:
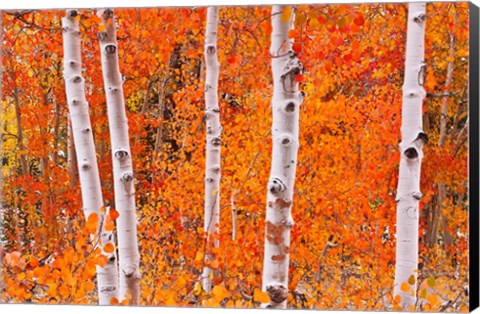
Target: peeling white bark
(213, 141)
(286, 103)
(413, 139)
(107, 276)
(129, 257)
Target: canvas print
(308, 156)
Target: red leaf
(321, 19)
(358, 20)
(299, 78)
(297, 47)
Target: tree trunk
(442, 190)
(124, 189)
(18, 116)
(413, 139)
(92, 198)
(213, 143)
(286, 103)
(71, 156)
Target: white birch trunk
(213, 142)
(107, 276)
(71, 156)
(413, 139)
(286, 103)
(129, 257)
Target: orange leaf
(108, 248)
(432, 299)
(293, 33)
(398, 299)
(92, 222)
(214, 264)
(102, 260)
(33, 262)
(220, 293)
(113, 301)
(260, 296)
(113, 214)
(109, 225)
(405, 287)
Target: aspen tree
(107, 276)
(129, 257)
(413, 139)
(71, 156)
(442, 189)
(286, 103)
(213, 143)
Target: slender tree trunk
(56, 133)
(213, 143)
(124, 188)
(286, 103)
(18, 117)
(413, 139)
(442, 190)
(71, 155)
(92, 198)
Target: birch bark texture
(286, 103)
(129, 257)
(213, 143)
(107, 276)
(411, 154)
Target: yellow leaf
(431, 281)
(260, 296)
(212, 302)
(102, 28)
(405, 287)
(197, 289)
(220, 293)
(199, 256)
(286, 14)
(214, 192)
(300, 18)
(52, 290)
(181, 282)
(423, 293)
(411, 280)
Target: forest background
(398, 66)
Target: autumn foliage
(342, 254)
